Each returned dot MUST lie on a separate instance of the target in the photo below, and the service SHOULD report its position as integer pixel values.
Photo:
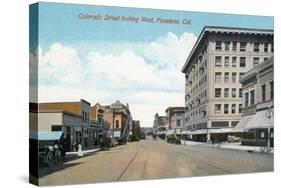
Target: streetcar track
(145, 163)
(208, 164)
(131, 161)
(185, 154)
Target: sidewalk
(230, 146)
(238, 146)
(85, 152)
(191, 143)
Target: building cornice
(227, 30)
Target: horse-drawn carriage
(172, 137)
(46, 147)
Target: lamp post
(269, 115)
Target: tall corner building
(213, 94)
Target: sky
(104, 61)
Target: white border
(14, 90)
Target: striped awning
(45, 135)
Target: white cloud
(170, 50)
(124, 71)
(60, 65)
(147, 77)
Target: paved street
(150, 159)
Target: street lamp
(269, 115)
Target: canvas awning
(221, 130)
(45, 135)
(195, 132)
(184, 132)
(244, 121)
(262, 119)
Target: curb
(238, 149)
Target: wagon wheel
(58, 157)
(50, 159)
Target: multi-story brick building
(213, 94)
(118, 116)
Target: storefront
(259, 131)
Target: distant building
(135, 130)
(175, 119)
(97, 112)
(213, 93)
(160, 125)
(258, 105)
(97, 121)
(147, 130)
(118, 116)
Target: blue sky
(59, 22)
(103, 61)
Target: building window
(233, 108)
(226, 108)
(233, 92)
(83, 116)
(241, 74)
(226, 92)
(117, 124)
(263, 95)
(240, 108)
(226, 61)
(218, 45)
(226, 46)
(256, 61)
(256, 47)
(271, 90)
(246, 99)
(218, 77)
(242, 61)
(217, 108)
(178, 122)
(218, 92)
(265, 47)
(234, 61)
(265, 59)
(56, 128)
(234, 46)
(233, 77)
(226, 77)
(218, 61)
(243, 46)
(272, 47)
(252, 97)
(240, 92)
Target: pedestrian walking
(154, 137)
(101, 143)
(80, 152)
